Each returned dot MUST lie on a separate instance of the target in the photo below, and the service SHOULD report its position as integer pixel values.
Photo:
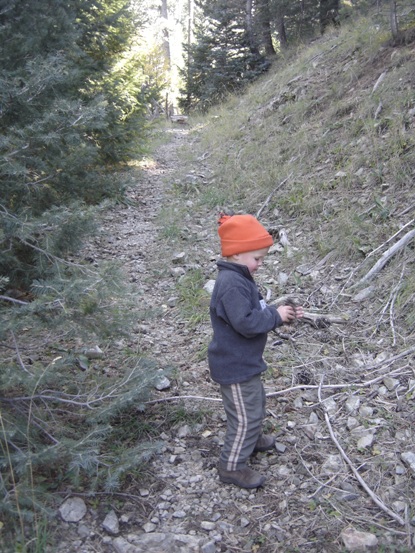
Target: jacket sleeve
(237, 308)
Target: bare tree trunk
(393, 19)
(166, 34)
(282, 34)
(265, 23)
(253, 44)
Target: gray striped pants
(244, 405)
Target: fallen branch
(173, 398)
(317, 320)
(371, 494)
(378, 266)
(390, 239)
(13, 300)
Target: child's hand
(289, 313)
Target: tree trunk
(329, 13)
(265, 24)
(166, 34)
(393, 19)
(282, 34)
(253, 44)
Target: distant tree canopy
(235, 41)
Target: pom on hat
(242, 233)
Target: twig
(19, 358)
(392, 303)
(371, 494)
(271, 194)
(322, 484)
(13, 300)
(173, 398)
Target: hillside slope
(323, 151)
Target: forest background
(83, 86)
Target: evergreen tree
(224, 56)
(73, 95)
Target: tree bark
(265, 25)
(329, 13)
(253, 44)
(282, 34)
(166, 35)
(393, 19)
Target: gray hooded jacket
(241, 321)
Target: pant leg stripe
(241, 428)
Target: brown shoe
(264, 443)
(244, 478)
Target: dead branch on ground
(378, 266)
(371, 494)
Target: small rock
(172, 301)
(282, 279)
(179, 258)
(207, 525)
(366, 411)
(352, 423)
(83, 531)
(400, 469)
(162, 383)
(244, 522)
(365, 441)
(408, 457)
(210, 284)
(149, 527)
(298, 402)
(281, 448)
(209, 547)
(352, 404)
(390, 383)
(399, 506)
(73, 509)
(310, 431)
(94, 353)
(111, 524)
(313, 418)
(333, 464)
(363, 294)
(177, 271)
(358, 541)
(330, 405)
(183, 431)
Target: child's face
(253, 260)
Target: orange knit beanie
(242, 233)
